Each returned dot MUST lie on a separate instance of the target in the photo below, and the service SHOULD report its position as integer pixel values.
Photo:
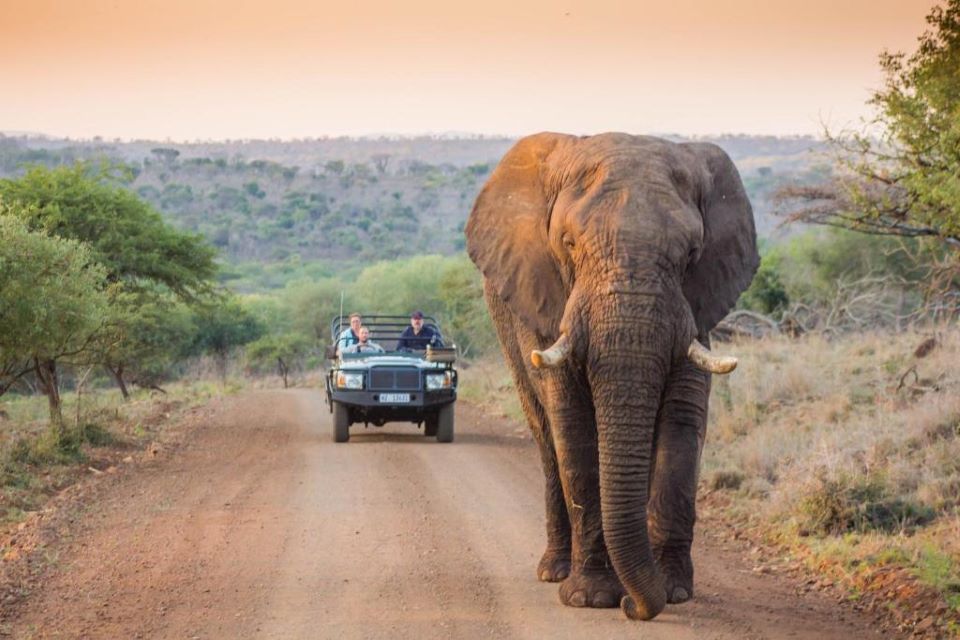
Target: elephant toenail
(679, 595)
(562, 574)
(544, 575)
(604, 600)
(578, 599)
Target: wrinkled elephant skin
(606, 259)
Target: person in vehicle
(350, 335)
(364, 345)
(418, 336)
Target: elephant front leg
(592, 581)
(671, 510)
(554, 565)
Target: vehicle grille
(384, 379)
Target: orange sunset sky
(202, 69)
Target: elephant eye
(568, 241)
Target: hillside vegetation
(278, 211)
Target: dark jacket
(410, 340)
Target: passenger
(417, 336)
(365, 344)
(350, 335)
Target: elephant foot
(596, 588)
(554, 566)
(677, 577)
(678, 595)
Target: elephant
(606, 261)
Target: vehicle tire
(445, 423)
(341, 423)
(430, 424)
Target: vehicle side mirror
(330, 352)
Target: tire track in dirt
(381, 562)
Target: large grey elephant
(607, 260)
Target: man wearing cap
(417, 336)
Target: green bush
(96, 435)
(767, 293)
(812, 265)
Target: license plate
(395, 397)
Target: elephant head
(621, 251)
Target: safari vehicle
(395, 386)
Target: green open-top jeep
(373, 388)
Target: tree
(399, 286)
(281, 352)
(222, 328)
(907, 182)
(309, 306)
(767, 293)
(467, 320)
(335, 166)
(152, 333)
(141, 252)
(53, 306)
(380, 161)
(126, 235)
(166, 154)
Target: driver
(365, 345)
(417, 335)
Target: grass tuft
(726, 479)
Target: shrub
(726, 479)
(767, 293)
(848, 503)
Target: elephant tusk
(554, 356)
(706, 361)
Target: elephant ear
(507, 236)
(729, 257)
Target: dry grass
(35, 465)
(487, 383)
(27, 416)
(798, 411)
(854, 444)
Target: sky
(184, 70)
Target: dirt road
(261, 527)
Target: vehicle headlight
(437, 381)
(349, 380)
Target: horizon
(450, 135)
(200, 71)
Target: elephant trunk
(627, 377)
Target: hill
(349, 200)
